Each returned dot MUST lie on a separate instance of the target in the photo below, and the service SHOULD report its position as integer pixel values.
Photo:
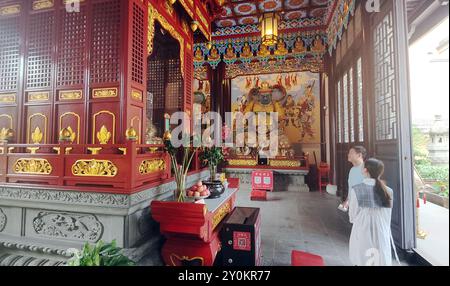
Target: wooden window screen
(71, 54)
(40, 45)
(105, 49)
(9, 53)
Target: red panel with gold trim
(38, 124)
(71, 117)
(8, 121)
(104, 123)
(135, 121)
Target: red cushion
(300, 258)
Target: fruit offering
(198, 191)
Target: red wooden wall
(84, 69)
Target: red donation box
(262, 181)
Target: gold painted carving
(32, 166)
(104, 92)
(70, 94)
(284, 163)
(103, 135)
(37, 135)
(10, 10)
(74, 134)
(38, 96)
(6, 134)
(8, 98)
(187, 8)
(94, 168)
(42, 4)
(150, 166)
(94, 126)
(95, 150)
(187, 258)
(242, 162)
(67, 151)
(221, 213)
(137, 95)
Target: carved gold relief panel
(37, 129)
(66, 120)
(103, 127)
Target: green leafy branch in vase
(213, 156)
(180, 170)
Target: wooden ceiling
(247, 12)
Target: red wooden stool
(323, 176)
(300, 258)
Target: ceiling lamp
(269, 28)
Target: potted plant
(213, 156)
(100, 254)
(180, 170)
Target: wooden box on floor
(241, 239)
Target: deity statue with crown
(268, 99)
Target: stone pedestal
(41, 224)
(284, 180)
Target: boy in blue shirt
(356, 156)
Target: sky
(430, 78)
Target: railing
(119, 168)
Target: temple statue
(281, 49)
(246, 51)
(317, 45)
(151, 137)
(214, 54)
(261, 101)
(299, 46)
(263, 51)
(198, 55)
(229, 53)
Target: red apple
(190, 193)
(204, 193)
(194, 188)
(199, 183)
(197, 194)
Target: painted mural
(295, 96)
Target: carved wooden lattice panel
(155, 82)
(339, 112)
(9, 53)
(71, 53)
(40, 44)
(345, 96)
(174, 89)
(105, 49)
(351, 104)
(385, 92)
(137, 55)
(189, 79)
(360, 100)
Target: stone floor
(303, 221)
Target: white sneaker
(342, 208)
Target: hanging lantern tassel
(417, 203)
(424, 198)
